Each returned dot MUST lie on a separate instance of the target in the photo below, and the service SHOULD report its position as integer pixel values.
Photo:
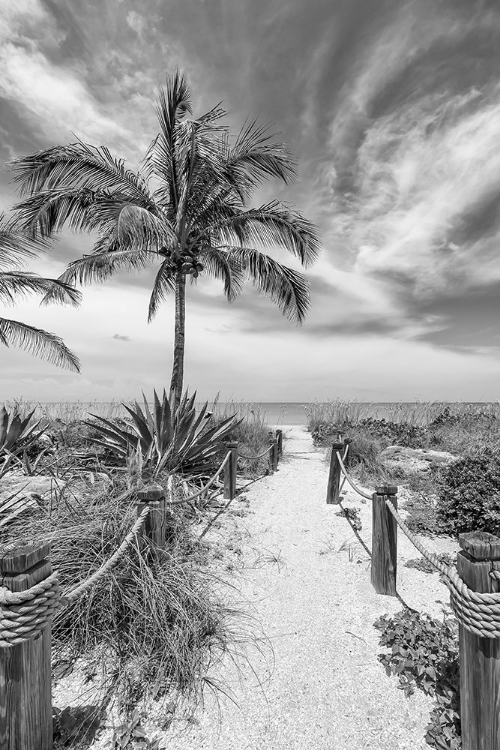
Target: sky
(392, 110)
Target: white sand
(322, 688)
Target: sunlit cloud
(393, 109)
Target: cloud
(118, 337)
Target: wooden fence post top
(337, 446)
(23, 567)
(152, 493)
(21, 558)
(386, 489)
(480, 544)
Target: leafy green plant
(420, 563)
(16, 434)
(424, 655)
(178, 441)
(130, 735)
(353, 515)
(395, 433)
(469, 499)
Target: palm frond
(256, 156)
(164, 285)
(15, 246)
(41, 343)
(20, 283)
(221, 265)
(77, 166)
(140, 229)
(172, 103)
(287, 288)
(102, 265)
(270, 224)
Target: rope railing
(74, 593)
(478, 612)
(474, 597)
(29, 604)
(259, 455)
(206, 487)
(348, 478)
(344, 479)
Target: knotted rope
(478, 612)
(24, 614)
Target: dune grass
(252, 433)
(155, 622)
(154, 625)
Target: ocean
(277, 413)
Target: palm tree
(14, 248)
(187, 207)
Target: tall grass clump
(148, 629)
(324, 419)
(251, 432)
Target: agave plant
(16, 436)
(182, 441)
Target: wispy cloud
(119, 337)
(393, 109)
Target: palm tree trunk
(176, 383)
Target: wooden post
(272, 443)
(479, 657)
(332, 492)
(230, 471)
(384, 541)
(25, 671)
(279, 438)
(155, 525)
(274, 455)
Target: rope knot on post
(24, 614)
(29, 597)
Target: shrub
(352, 514)
(424, 654)
(469, 499)
(183, 440)
(395, 433)
(422, 515)
(465, 433)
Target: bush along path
(314, 679)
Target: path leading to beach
(306, 580)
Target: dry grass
(252, 434)
(153, 625)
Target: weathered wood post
(155, 525)
(279, 438)
(274, 455)
(230, 471)
(479, 657)
(271, 442)
(25, 671)
(332, 492)
(384, 541)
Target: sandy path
(324, 688)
